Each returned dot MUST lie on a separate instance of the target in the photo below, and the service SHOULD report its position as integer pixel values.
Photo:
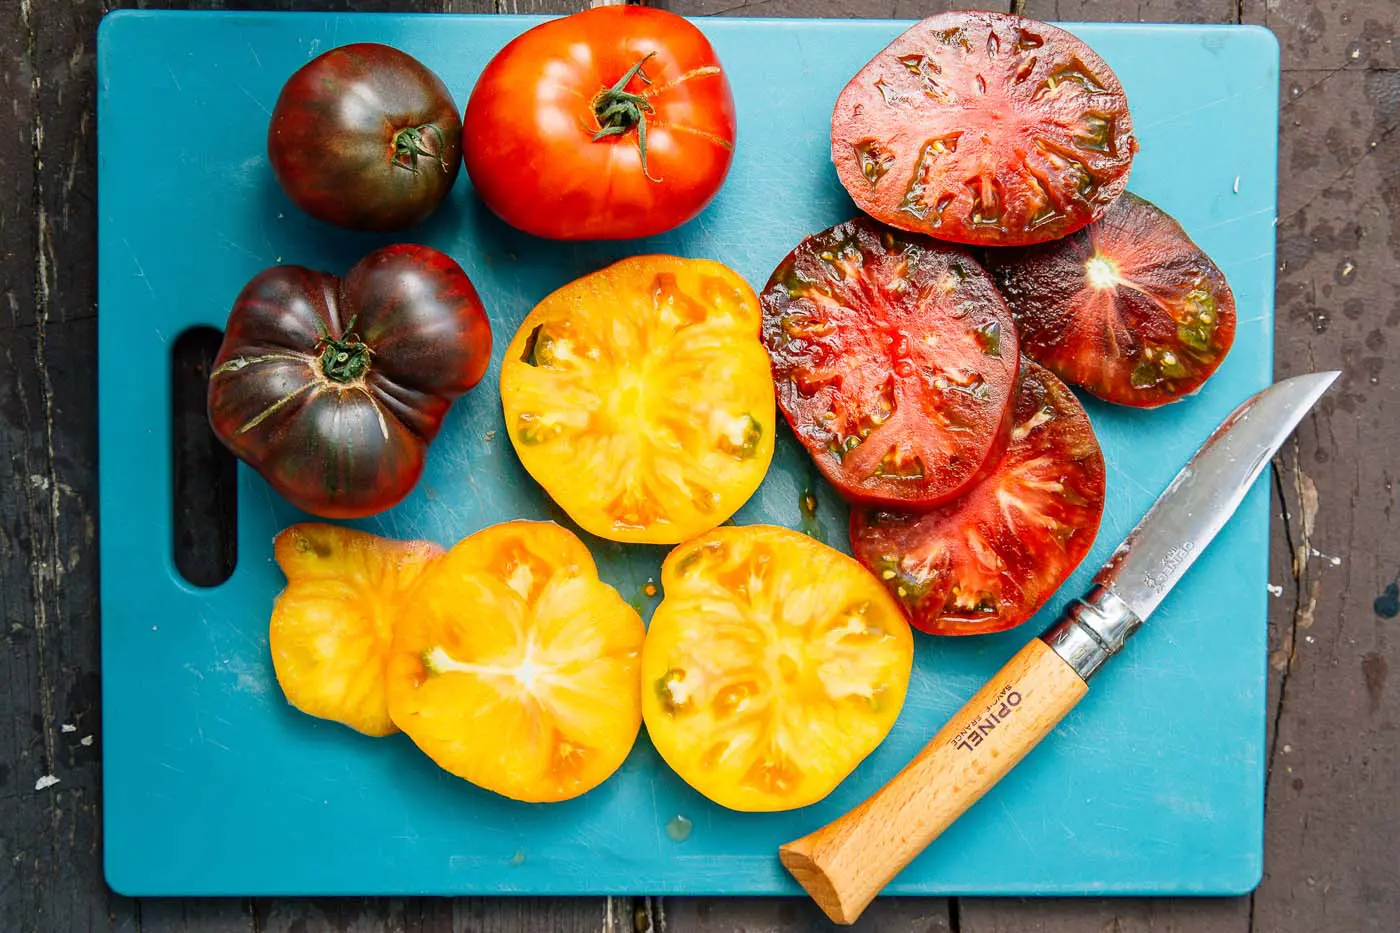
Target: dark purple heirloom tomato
(333, 388)
(365, 137)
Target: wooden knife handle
(846, 863)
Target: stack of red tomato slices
(925, 379)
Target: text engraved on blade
(1166, 568)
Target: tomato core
(408, 146)
(619, 110)
(1102, 272)
(344, 360)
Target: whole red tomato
(333, 388)
(365, 137)
(612, 123)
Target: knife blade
(846, 863)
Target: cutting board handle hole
(205, 474)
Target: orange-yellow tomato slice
(332, 626)
(641, 399)
(516, 668)
(772, 667)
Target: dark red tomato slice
(984, 128)
(988, 561)
(895, 362)
(1128, 308)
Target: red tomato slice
(984, 128)
(895, 362)
(988, 561)
(1128, 308)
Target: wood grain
(49, 703)
(846, 863)
(1331, 833)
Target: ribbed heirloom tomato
(613, 123)
(333, 388)
(514, 667)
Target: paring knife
(846, 863)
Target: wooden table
(1333, 834)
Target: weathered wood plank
(24, 754)
(723, 915)
(1148, 11)
(1123, 915)
(51, 877)
(834, 9)
(1325, 35)
(196, 915)
(561, 914)
(1334, 768)
(353, 915)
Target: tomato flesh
(557, 123)
(988, 561)
(365, 136)
(332, 626)
(639, 397)
(515, 668)
(984, 128)
(1129, 308)
(895, 361)
(771, 668)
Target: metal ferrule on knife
(1091, 631)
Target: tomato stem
(408, 146)
(619, 110)
(345, 359)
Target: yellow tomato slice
(515, 667)
(641, 399)
(333, 624)
(772, 667)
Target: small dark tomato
(365, 137)
(333, 388)
(989, 560)
(1128, 308)
(895, 362)
(984, 128)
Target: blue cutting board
(213, 785)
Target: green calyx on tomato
(618, 110)
(408, 146)
(345, 359)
